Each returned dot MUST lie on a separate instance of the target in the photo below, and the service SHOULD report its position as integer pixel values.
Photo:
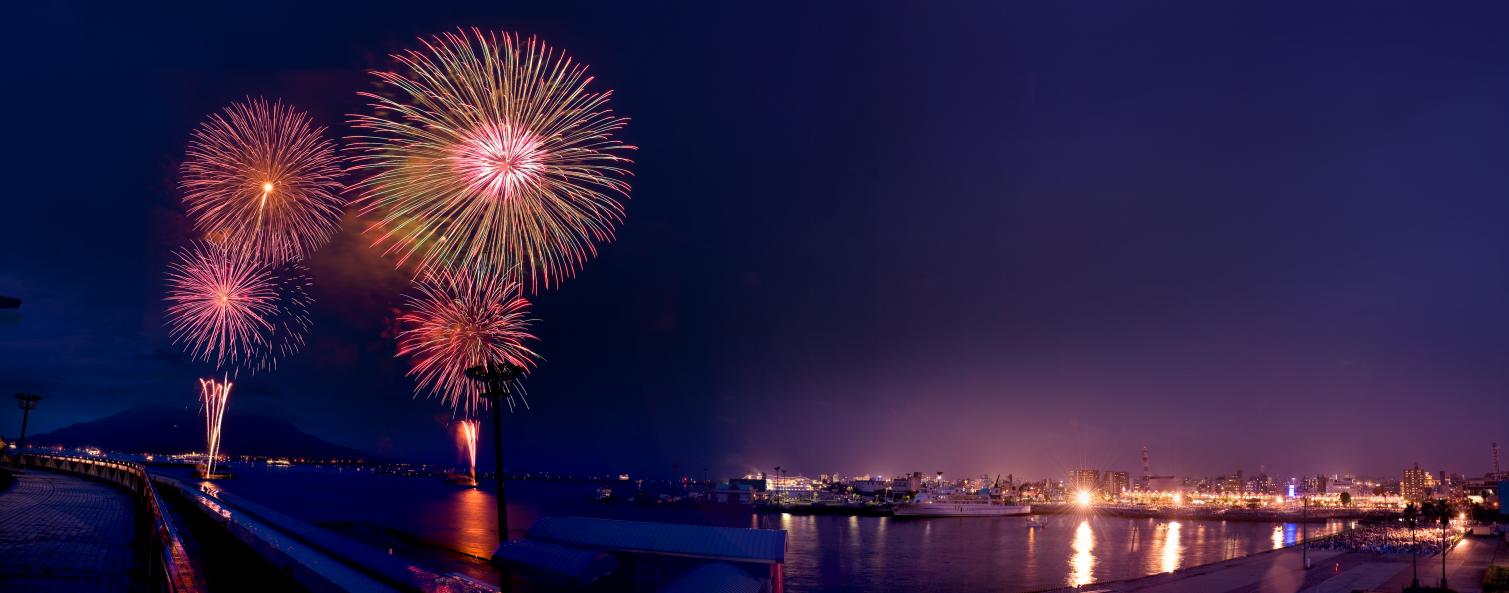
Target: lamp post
(27, 402)
(498, 379)
(1445, 509)
(1412, 518)
(1304, 531)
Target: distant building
(1233, 484)
(1344, 485)
(910, 484)
(1115, 483)
(749, 483)
(872, 485)
(1164, 483)
(788, 486)
(1413, 487)
(1084, 480)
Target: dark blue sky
(873, 238)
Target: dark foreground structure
(92, 524)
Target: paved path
(61, 533)
(1465, 565)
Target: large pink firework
(490, 152)
(460, 319)
(262, 179)
(235, 311)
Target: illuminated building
(1115, 483)
(1413, 487)
(1084, 480)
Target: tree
(1440, 512)
(1346, 499)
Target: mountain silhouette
(155, 429)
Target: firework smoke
(263, 181)
(489, 152)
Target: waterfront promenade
(63, 533)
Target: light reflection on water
(1172, 551)
(1082, 565)
(475, 522)
(824, 553)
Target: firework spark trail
(236, 311)
(213, 395)
(490, 152)
(460, 319)
(262, 179)
(469, 441)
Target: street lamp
(1304, 527)
(498, 379)
(27, 402)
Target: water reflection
(1278, 536)
(1172, 550)
(474, 521)
(1082, 565)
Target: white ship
(945, 504)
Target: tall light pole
(498, 379)
(27, 402)
(1304, 531)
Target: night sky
(864, 239)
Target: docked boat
(952, 504)
(279, 462)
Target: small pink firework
(468, 434)
(262, 179)
(213, 395)
(234, 311)
(461, 319)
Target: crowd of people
(1390, 539)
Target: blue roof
(695, 541)
(715, 577)
(558, 565)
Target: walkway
(1465, 565)
(62, 533)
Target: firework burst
(489, 152)
(262, 179)
(458, 320)
(468, 432)
(213, 396)
(235, 311)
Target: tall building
(1115, 483)
(1414, 485)
(1087, 480)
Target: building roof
(557, 565)
(715, 577)
(765, 546)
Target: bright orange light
(1083, 498)
(1178, 499)
(266, 187)
(469, 440)
(213, 395)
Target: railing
(167, 567)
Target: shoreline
(1221, 514)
